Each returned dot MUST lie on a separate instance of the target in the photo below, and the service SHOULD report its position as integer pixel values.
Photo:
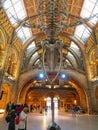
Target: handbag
(17, 120)
(8, 118)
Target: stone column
(52, 107)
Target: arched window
(55, 100)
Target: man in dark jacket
(11, 125)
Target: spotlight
(63, 76)
(41, 75)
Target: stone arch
(52, 94)
(6, 95)
(22, 94)
(70, 97)
(79, 85)
(82, 95)
(33, 98)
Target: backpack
(8, 118)
(17, 120)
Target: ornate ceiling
(55, 21)
(55, 43)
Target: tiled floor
(37, 121)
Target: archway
(70, 98)
(5, 97)
(33, 99)
(27, 82)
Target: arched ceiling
(55, 31)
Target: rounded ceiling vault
(53, 45)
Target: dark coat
(12, 120)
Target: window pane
(15, 8)
(12, 20)
(23, 32)
(14, 1)
(7, 4)
(93, 1)
(11, 11)
(73, 45)
(90, 8)
(21, 14)
(18, 6)
(31, 45)
(85, 13)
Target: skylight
(73, 45)
(23, 34)
(35, 55)
(70, 55)
(16, 12)
(32, 45)
(90, 9)
(83, 32)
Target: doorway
(55, 101)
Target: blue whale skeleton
(51, 16)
